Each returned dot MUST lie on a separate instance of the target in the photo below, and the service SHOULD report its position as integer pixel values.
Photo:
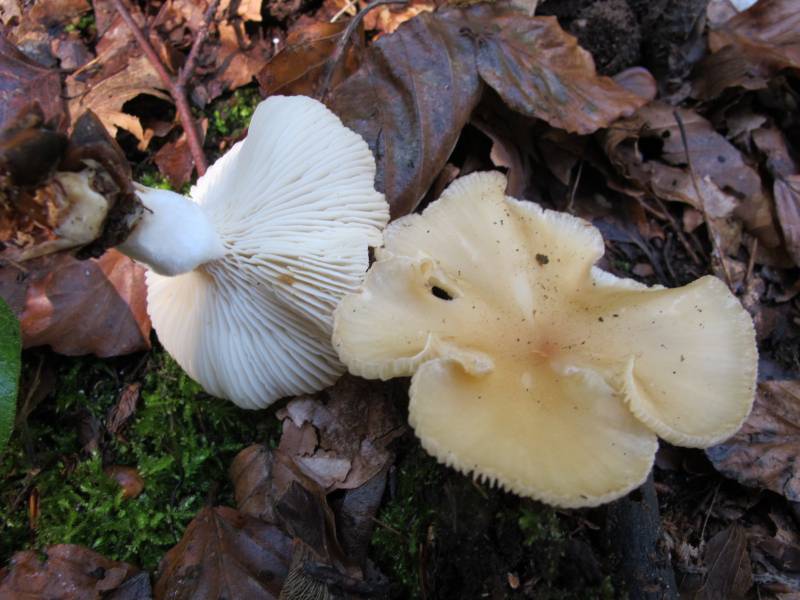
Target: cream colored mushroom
(245, 273)
(531, 367)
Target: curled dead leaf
(225, 554)
(67, 571)
(308, 50)
(763, 453)
(649, 150)
(729, 574)
(340, 438)
(128, 479)
(77, 307)
(416, 88)
(750, 48)
(23, 82)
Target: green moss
(229, 117)
(84, 24)
(539, 524)
(154, 179)
(402, 522)
(179, 439)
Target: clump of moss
(229, 117)
(403, 520)
(180, 440)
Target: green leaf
(10, 349)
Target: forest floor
(117, 451)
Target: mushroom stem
(173, 235)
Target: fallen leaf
(118, 79)
(136, 588)
(128, 479)
(299, 67)
(10, 10)
(785, 171)
(271, 487)
(639, 81)
(225, 554)
(773, 23)
(23, 82)
(68, 571)
(762, 454)
(174, 160)
(648, 149)
(416, 88)
(261, 477)
(340, 437)
(561, 86)
(239, 58)
(409, 100)
(123, 410)
(750, 48)
(787, 205)
(729, 572)
(386, 19)
(77, 307)
(356, 516)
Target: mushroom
(245, 273)
(531, 367)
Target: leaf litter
(703, 177)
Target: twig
(177, 86)
(701, 200)
(679, 232)
(751, 261)
(575, 183)
(341, 46)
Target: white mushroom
(530, 366)
(245, 273)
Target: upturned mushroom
(246, 271)
(531, 367)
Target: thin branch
(176, 87)
(194, 52)
(341, 46)
(678, 232)
(701, 200)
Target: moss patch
(179, 439)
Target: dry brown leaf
(68, 571)
(225, 554)
(409, 100)
(23, 82)
(298, 68)
(561, 85)
(239, 60)
(750, 48)
(118, 79)
(639, 81)
(648, 149)
(787, 205)
(785, 171)
(128, 479)
(386, 19)
(763, 453)
(339, 438)
(77, 307)
(729, 574)
(123, 410)
(10, 10)
(416, 88)
(174, 160)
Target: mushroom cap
(295, 208)
(533, 368)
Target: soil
(664, 35)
